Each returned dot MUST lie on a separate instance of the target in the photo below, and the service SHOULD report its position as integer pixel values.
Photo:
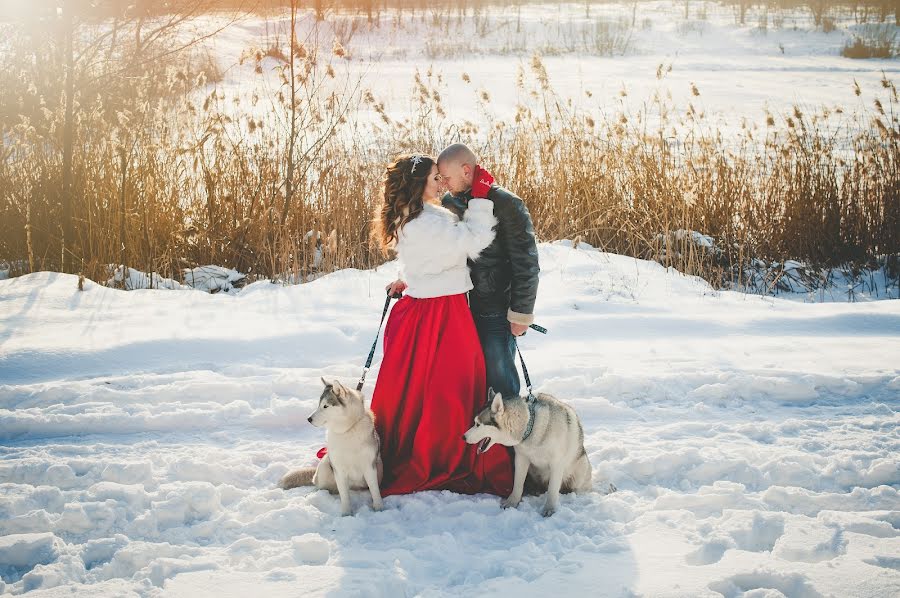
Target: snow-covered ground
(774, 61)
(754, 443)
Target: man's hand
(396, 288)
(517, 329)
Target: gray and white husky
(548, 440)
(354, 450)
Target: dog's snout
(309, 419)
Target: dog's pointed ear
(491, 393)
(325, 382)
(338, 389)
(497, 404)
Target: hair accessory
(416, 159)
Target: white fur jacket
(434, 246)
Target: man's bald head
(457, 165)
(458, 153)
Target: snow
(777, 59)
(210, 279)
(28, 550)
(753, 441)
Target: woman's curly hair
(404, 181)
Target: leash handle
(540, 329)
(387, 304)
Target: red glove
(481, 182)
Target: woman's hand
(396, 288)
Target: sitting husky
(548, 440)
(354, 451)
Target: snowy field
(774, 61)
(754, 442)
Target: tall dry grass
(172, 172)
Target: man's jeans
(499, 346)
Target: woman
(432, 378)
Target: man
(505, 275)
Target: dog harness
(531, 401)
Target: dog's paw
(379, 506)
(510, 502)
(548, 510)
(612, 488)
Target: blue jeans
(499, 346)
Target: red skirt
(429, 388)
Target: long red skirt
(430, 386)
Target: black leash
(524, 371)
(542, 330)
(387, 304)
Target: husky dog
(548, 440)
(354, 450)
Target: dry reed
(164, 181)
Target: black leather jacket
(505, 275)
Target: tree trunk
(66, 199)
(289, 181)
(123, 209)
(28, 243)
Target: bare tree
(67, 230)
(86, 57)
(308, 129)
(292, 139)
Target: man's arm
(517, 236)
(453, 204)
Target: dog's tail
(300, 477)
